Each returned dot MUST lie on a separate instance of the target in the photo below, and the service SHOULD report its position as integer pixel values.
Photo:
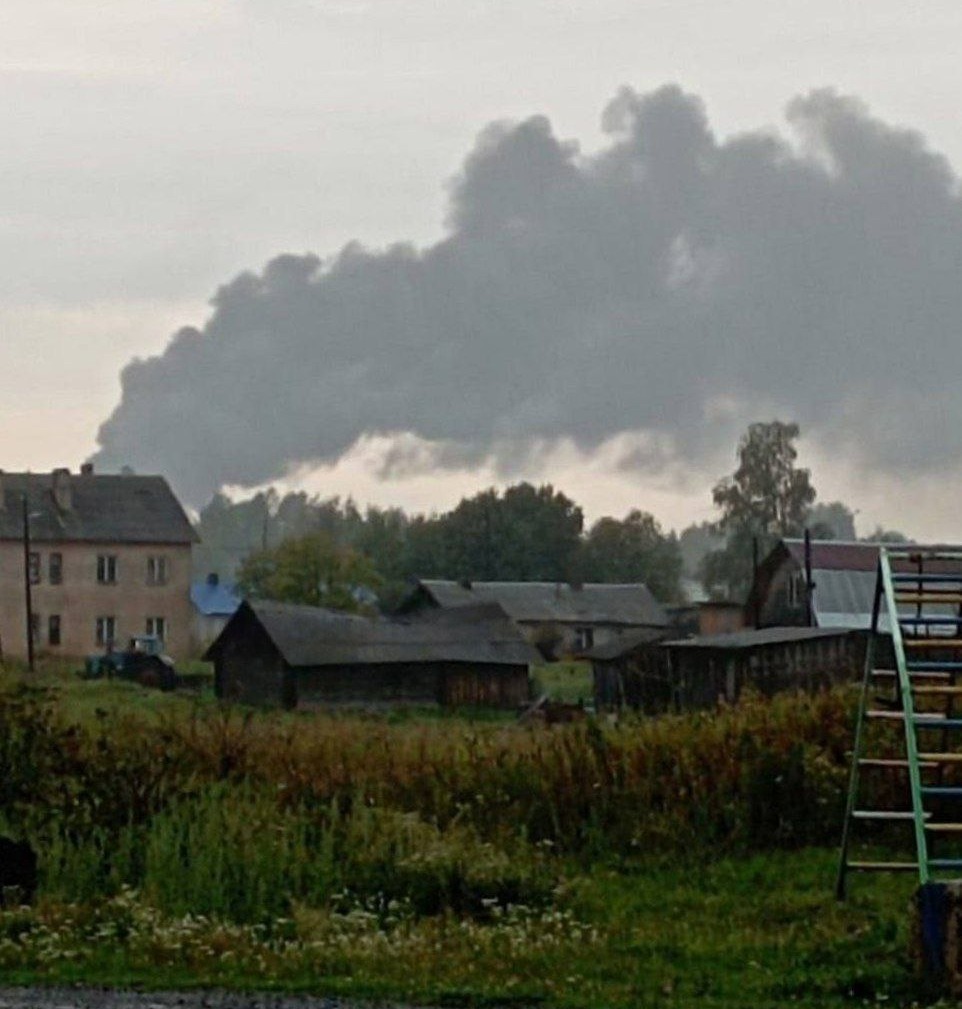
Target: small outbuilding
(297, 656)
(630, 671)
(704, 670)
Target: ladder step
(936, 721)
(945, 863)
(941, 690)
(946, 621)
(883, 866)
(917, 665)
(934, 597)
(885, 762)
(891, 674)
(932, 642)
(905, 576)
(945, 791)
(944, 828)
(941, 758)
(880, 713)
(882, 814)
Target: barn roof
(556, 602)
(739, 640)
(623, 644)
(309, 636)
(844, 576)
(104, 508)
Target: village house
(830, 583)
(214, 602)
(558, 618)
(301, 656)
(109, 558)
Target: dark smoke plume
(670, 285)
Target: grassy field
(753, 931)
(564, 681)
(685, 860)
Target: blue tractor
(143, 662)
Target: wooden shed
(704, 670)
(277, 653)
(630, 671)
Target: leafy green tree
(634, 550)
(831, 520)
(880, 535)
(312, 570)
(767, 497)
(526, 534)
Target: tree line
(299, 547)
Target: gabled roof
(843, 575)
(104, 508)
(214, 599)
(306, 636)
(556, 602)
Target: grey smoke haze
(669, 284)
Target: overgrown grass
(632, 863)
(564, 681)
(759, 931)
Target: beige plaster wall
(80, 599)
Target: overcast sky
(155, 149)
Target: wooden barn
(301, 656)
(704, 670)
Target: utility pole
(27, 587)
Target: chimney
(61, 489)
(87, 469)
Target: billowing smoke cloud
(670, 285)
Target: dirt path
(92, 998)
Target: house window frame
(584, 638)
(54, 630)
(55, 568)
(107, 569)
(102, 626)
(157, 569)
(157, 627)
(34, 570)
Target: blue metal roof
(214, 600)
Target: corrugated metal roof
(552, 602)
(217, 599)
(757, 638)
(105, 508)
(845, 599)
(308, 636)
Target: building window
(55, 569)
(106, 569)
(157, 627)
(35, 627)
(33, 567)
(53, 629)
(106, 630)
(156, 570)
(584, 638)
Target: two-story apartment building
(109, 558)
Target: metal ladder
(919, 590)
